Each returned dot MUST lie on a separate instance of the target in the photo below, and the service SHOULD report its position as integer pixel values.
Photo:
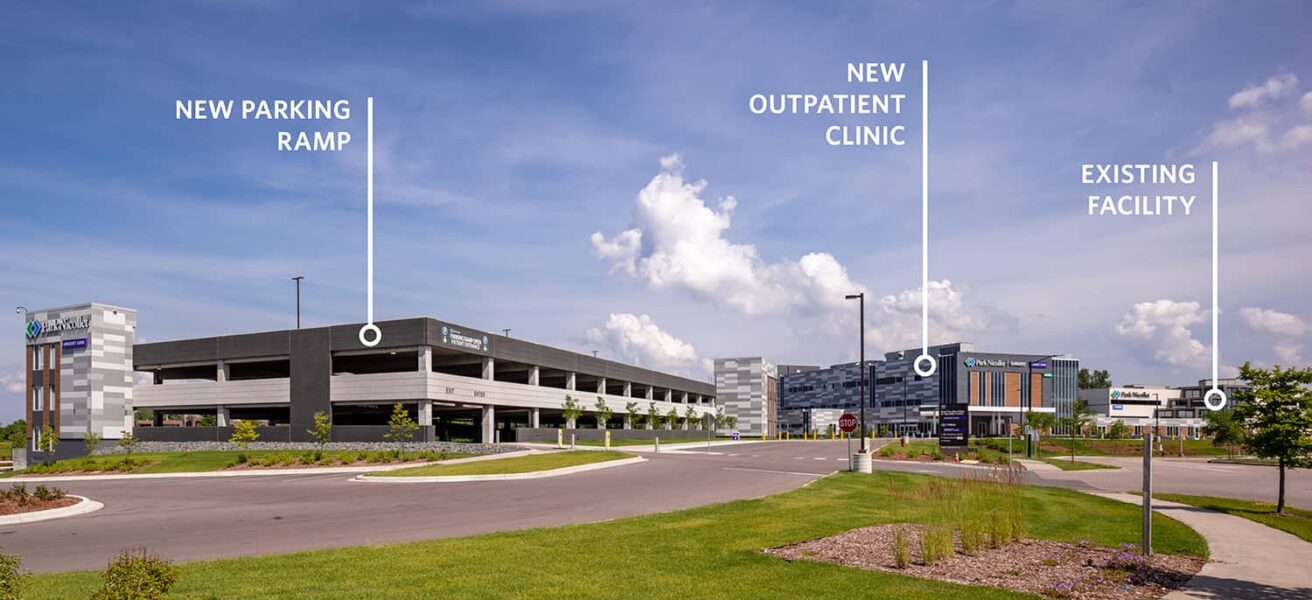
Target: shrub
(901, 550)
(136, 575)
(243, 433)
(91, 441)
(972, 537)
(13, 579)
(47, 494)
(937, 455)
(928, 549)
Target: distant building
(748, 390)
(1169, 411)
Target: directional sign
(847, 423)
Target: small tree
(653, 416)
(721, 421)
(690, 417)
(400, 428)
(571, 410)
(91, 441)
(1277, 409)
(1224, 428)
(49, 441)
(672, 418)
(1118, 431)
(243, 433)
(128, 442)
(604, 413)
(1042, 422)
(731, 422)
(322, 431)
(631, 415)
(1080, 416)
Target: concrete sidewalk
(1248, 559)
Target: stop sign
(847, 423)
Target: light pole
(506, 332)
(21, 310)
(861, 299)
(298, 279)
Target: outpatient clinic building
(455, 381)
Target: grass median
(1066, 464)
(1295, 520)
(219, 460)
(708, 552)
(507, 466)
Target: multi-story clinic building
(455, 381)
(994, 388)
(1166, 410)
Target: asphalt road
(202, 518)
(1189, 476)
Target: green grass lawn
(1059, 446)
(516, 464)
(664, 440)
(1296, 521)
(707, 552)
(194, 462)
(1066, 464)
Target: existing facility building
(995, 389)
(455, 381)
(748, 390)
(1166, 410)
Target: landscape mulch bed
(1046, 568)
(13, 508)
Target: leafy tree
(128, 442)
(721, 421)
(1042, 422)
(653, 416)
(731, 421)
(690, 417)
(1118, 431)
(15, 433)
(1080, 416)
(400, 427)
(49, 441)
(91, 441)
(1224, 428)
(322, 431)
(1277, 410)
(243, 433)
(604, 413)
(208, 421)
(571, 410)
(631, 415)
(1092, 380)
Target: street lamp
(298, 279)
(861, 299)
(506, 332)
(20, 310)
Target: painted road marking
(774, 471)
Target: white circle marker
(927, 371)
(1214, 392)
(364, 335)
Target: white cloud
(1162, 328)
(1261, 122)
(677, 242)
(14, 384)
(637, 339)
(1275, 87)
(1290, 354)
(895, 320)
(1273, 321)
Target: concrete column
(425, 413)
(159, 418)
(534, 375)
(601, 385)
(651, 393)
(425, 360)
(628, 389)
(534, 417)
(489, 424)
(669, 395)
(571, 379)
(489, 368)
(683, 397)
(221, 372)
(221, 414)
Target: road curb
(86, 505)
(504, 476)
(262, 472)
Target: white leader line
(924, 207)
(369, 327)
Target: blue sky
(509, 133)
